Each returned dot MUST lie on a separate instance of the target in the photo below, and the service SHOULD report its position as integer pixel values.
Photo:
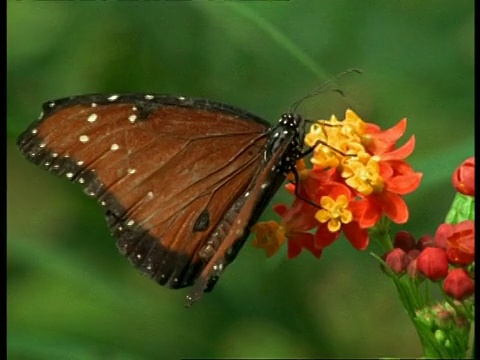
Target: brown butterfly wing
(168, 170)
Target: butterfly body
(181, 179)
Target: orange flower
(269, 236)
(357, 177)
(295, 224)
(398, 179)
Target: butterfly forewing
(168, 170)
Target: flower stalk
(358, 177)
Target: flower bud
(404, 240)
(433, 263)
(413, 254)
(425, 241)
(458, 284)
(463, 177)
(443, 232)
(396, 260)
(412, 270)
(440, 336)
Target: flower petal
(395, 207)
(324, 237)
(404, 184)
(366, 212)
(402, 152)
(357, 236)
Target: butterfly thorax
(289, 130)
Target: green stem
(381, 233)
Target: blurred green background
(71, 295)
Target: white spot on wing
(92, 118)
(112, 98)
(69, 175)
(132, 171)
(114, 147)
(52, 104)
(34, 131)
(81, 180)
(79, 163)
(149, 97)
(130, 222)
(93, 105)
(132, 118)
(83, 138)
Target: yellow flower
(334, 212)
(353, 125)
(363, 177)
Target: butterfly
(181, 179)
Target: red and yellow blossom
(357, 177)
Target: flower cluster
(355, 186)
(358, 176)
(447, 256)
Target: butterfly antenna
(319, 89)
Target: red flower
(458, 284)
(458, 240)
(334, 213)
(358, 176)
(432, 262)
(463, 177)
(461, 243)
(398, 179)
(297, 221)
